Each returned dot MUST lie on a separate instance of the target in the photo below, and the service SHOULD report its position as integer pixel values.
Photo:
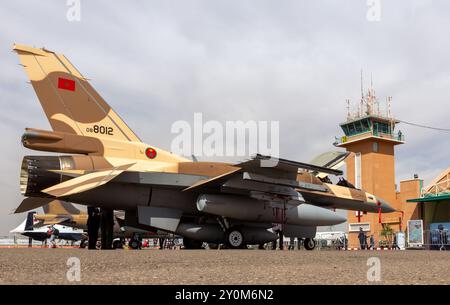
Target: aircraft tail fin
(30, 221)
(70, 103)
(59, 207)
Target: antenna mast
(348, 109)
(360, 109)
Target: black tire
(234, 238)
(134, 244)
(117, 244)
(191, 244)
(309, 244)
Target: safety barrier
(436, 240)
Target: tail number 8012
(101, 130)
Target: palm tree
(387, 233)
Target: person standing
(362, 239)
(49, 235)
(161, 243)
(442, 238)
(372, 242)
(53, 236)
(277, 231)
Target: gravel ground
(49, 266)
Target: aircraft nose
(385, 207)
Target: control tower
(370, 136)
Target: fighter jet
(110, 168)
(62, 213)
(26, 228)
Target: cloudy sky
(295, 62)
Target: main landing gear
(107, 228)
(309, 243)
(135, 244)
(234, 238)
(100, 219)
(93, 224)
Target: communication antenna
(371, 81)
(362, 86)
(386, 111)
(360, 109)
(348, 109)
(378, 108)
(389, 100)
(389, 112)
(371, 99)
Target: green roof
(430, 198)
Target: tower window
(365, 124)
(351, 129)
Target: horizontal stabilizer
(85, 182)
(32, 203)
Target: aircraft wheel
(192, 244)
(83, 244)
(134, 244)
(117, 244)
(309, 243)
(235, 238)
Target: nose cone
(385, 207)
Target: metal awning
(430, 198)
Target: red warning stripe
(66, 84)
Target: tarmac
(218, 267)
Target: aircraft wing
(261, 162)
(279, 181)
(264, 178)
(215, 182)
